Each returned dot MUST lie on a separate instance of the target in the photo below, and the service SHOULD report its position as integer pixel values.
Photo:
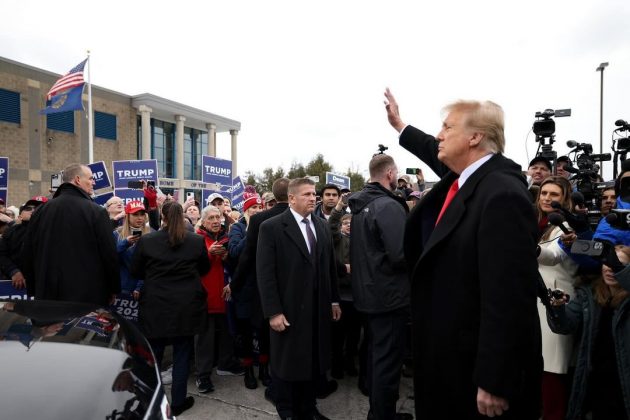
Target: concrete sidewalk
(231, 400)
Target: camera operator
(557, 270)
(561, 163)
(608, 200)
(606, 232)
(598, 316)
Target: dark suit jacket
(473, 292)
(246, 268)
(286, 274)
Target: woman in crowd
(126, 236)
(216, 323)
(249, 317)
(173, 301)
(599, 316)
(116, 210)
(558, 270)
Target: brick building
(126, 127)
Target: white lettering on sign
(2, 171)
(98, 175)
(215, 170)
(128, 200)
(136, 173)
(338, 179)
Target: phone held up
(413, 171)
(138, 185)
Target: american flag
(70, 80)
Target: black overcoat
(69, 251)
(473, 290)
(285, 272)
(172, 300)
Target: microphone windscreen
(556, 205)
(555, 219)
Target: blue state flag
(69, 100)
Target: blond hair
(485, 117)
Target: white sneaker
(167, 376)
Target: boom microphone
(556, 219)
(621, 123)
(577, 198)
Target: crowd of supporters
(192, 268)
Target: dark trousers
(386, 348)
(216, 328)
(294, 399)
(245, 347)
(346, 334)
(182, 350)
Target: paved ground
(231, 400)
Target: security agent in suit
(477, 343)
(297, 280)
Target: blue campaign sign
(134, 170)
(341, 181)
(205, 194)
(4, 172)
(101, 199)
(3, 195)
(7, 291)
(127, 195)
(217, 171)
(126, 306)
(237, 193)
(100, 175)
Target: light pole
(600, 69)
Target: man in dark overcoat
(69, 250)
(297, 281)
(470, 245)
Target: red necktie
(449, 197)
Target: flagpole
(89, 116)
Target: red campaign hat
(250, 199)
(36, 201)
(134, 207)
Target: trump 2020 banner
(100, 175)
(128, 194)
(4, 172)
(216, 171)
(134, 170)
(7, 291)
(237, 193)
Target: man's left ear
(476, 139)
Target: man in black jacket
(380, 286)
(12, 240)
(69, 250)
(470, 247)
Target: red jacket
(213, 281)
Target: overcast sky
(308, 77)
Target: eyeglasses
(345, 223)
